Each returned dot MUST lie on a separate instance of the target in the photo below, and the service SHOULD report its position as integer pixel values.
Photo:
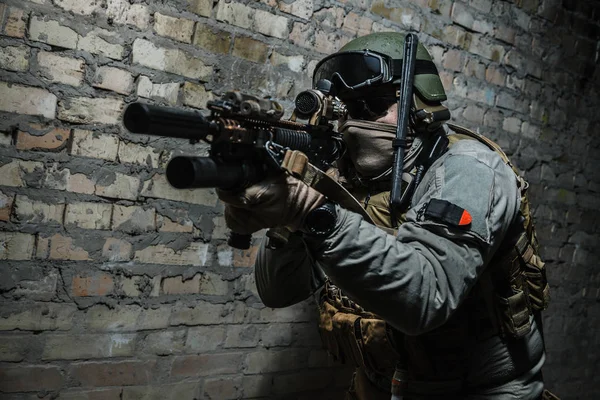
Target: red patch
(465, 218)
(444, 211)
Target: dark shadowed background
(115, 286)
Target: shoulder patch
(445, 211)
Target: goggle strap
(422, 67)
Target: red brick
(495, 75)
(15, 23)
(121, 373)
(207, 364)
(441, 7)
(116, 250)
(454, 60)
(177, 285)
(245, 258)
(52, 139)
(302, 34)
(99, 285)
(16, 246)
(447, 79)
(6, 202)
(327, 42)
(62, 248)
(30, 378)
(475, 69)
(357, 24)
(212, 39)
(250, 49)
(200, 7)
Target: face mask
(369, 146)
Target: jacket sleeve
(416, 280)
(285, 276)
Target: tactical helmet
(389, 47)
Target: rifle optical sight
(316, 106)
(307, 102)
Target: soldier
(446, 306)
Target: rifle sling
(296, 164)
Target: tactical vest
(513, 287)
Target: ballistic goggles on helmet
(364, 68)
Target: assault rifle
(248, 139)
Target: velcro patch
(447, 212)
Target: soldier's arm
(285, 276)
(417, 280)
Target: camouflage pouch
(534, 269)
(353, 335)
(328, 338)
(535, 275)
(539, 290)
(514, 314)
(510, 299)
(338, 319)
(380, 355)
(344, 326)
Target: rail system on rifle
(248, 138)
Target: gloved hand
(277, 201)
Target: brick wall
(116, 286)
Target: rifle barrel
(166, 121)
(206, 172)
